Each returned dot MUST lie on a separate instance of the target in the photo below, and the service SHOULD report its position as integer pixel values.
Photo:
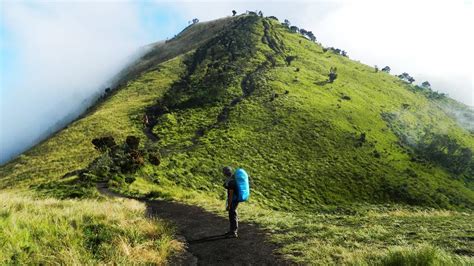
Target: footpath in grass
(362, 234)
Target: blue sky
(55, 54)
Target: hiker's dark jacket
(231, 184)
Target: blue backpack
(242, 182)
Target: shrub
(332, 75)
(289, 59)
(346, 97)
(104, 143)
(132, 142)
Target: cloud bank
(65, 53)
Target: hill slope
(251, 93)
(240, 100)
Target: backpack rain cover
(242, 182)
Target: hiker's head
(227, 171)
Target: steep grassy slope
(71, 148)
(306, 141)
(255, 95)
(190, 38)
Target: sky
(55, 55)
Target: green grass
(364, 234)
(326, 196)
(71, 148)
(421, 255)
(72, 232)
(301, 148)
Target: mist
(66, 55)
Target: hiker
(238, 190)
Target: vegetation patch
(51, 231)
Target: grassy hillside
(363, 234)
(239, 102)
(327, 160)
(50, 231)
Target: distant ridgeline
(312, 127)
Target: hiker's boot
(231, 235)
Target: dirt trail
(204, 231)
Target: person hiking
(238, 190)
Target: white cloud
(67, 52)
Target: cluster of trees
(308, 34)
(425, 86)
(406, 77)
(117, 161)
(426, 89)
(386, 69)
(255, 13)
(193, 21)
(336, 51)
(447, 152)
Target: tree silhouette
(426, 85)
(294, 29)
(311, 36)
(406, 77)
(386, 69)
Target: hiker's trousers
(233, 217)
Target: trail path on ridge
(204, 231)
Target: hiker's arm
(230, 195)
